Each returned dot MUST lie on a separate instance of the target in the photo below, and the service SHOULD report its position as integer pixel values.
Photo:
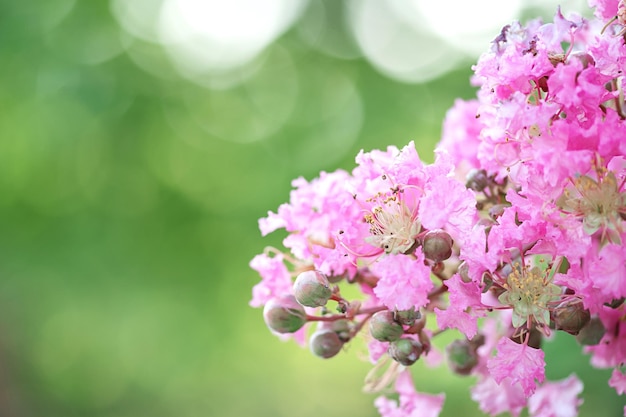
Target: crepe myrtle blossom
(515, 231)
(410, 403)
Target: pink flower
(404, 281)
(605, 9)
(447, 204)
(385, 188)
(494, 398)
(454, 317)
(518, 363)
(618, 381)
(315, 213)
(270, 223)
(556, 399)
(411, 403)
(607, 270)
(462, 296)
(546, 222)
(376, 349)
(275, 279)
(474, 253)
(517, 55)
(460, 136)
(609, 53)
(575, 280)
(611, 351)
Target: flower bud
(419, 325)
(312, 289)
(384, 328)
(405, 351)
(592, 333)
(284, 314)
(406, 317)
(497, 210)
(556, 58)
(534, 339)
(583, 57)
(462, 357)
(463, 271)
(325, 344)
(477, 180)
(477, 341)
(437, 245)
(341, 327)
(570, 316)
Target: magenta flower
(495, 398)
(611, 351)
(461, 135)
(411, 403)
(276, 279)
(459, 314)
(530, 292)
(556, 399)
(618, 381)
(516, 231)
(604, 9)
(404, 281)
(606, 270)
(518, 363)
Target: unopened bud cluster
(401, 329)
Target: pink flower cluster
(530, 242)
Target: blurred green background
(131, 182)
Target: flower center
(393, 226)
(600, 204)
(528, 291)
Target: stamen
(529, 291)
(393, 226)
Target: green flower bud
(437, 245)
(406, 317)
(463, 271)
(312, 289)
(477, 341)
(592, 333)
(284, 314)
(384, 328)
(462, 357)
(341, 327)
(325, 344)
(405, 351)
(570, 316)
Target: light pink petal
(519, 363)
(556, 399)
